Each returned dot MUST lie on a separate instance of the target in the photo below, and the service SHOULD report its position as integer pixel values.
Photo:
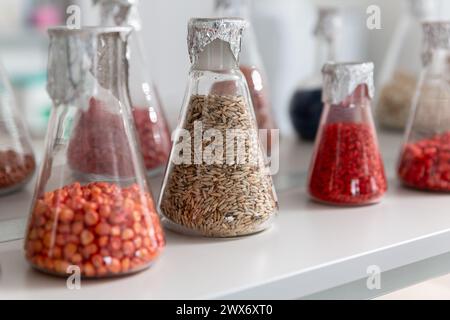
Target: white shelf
(312, 248)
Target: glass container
(217, 183)
(92, 208)
(425, 157)
(402, 65)
(252, 67)
(306, 105)
(347, 168)
(151, 125)
(17, 161)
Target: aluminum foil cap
(203, 31)
(119, 13)
(328, 23)
(341, 79)
(424, 9)
(436, 36)
(79, 59)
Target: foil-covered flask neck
(119, 13)
(81, 60)
(436, 36)
(423, 9)
(340, 80)
(203, 31)
(328, 24)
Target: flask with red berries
(152, 129)
(347, 168)
(425, 157)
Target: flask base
(340, 203)
(5, 191)
(83, 276)
(220, 234)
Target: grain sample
(100, 227)
(395, 101)
(15, 170)
(220, 199)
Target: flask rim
(88, 30)
(203, 31)
(340, 80)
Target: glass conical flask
(347, 168)
(151, 125)
(402, 65)
(104, 223)
(306, 103)
(216, 183)
(252, 67)
(425, 158)
(17, 162)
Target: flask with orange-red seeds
(92, 208)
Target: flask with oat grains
(402, 65)
(216, 183)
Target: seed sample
(103, 229)
(15, 170)
(220, 199)
(425, 164)
(348, 168)
(260, 100)
(395, 101)
(154, 138)
(100, 150)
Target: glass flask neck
(217, 56)
(325, 51)
(438, 62)
(358, 98)
(111, 66)
(87, 62)
(250, 55)
(422, 9)
(117, 13)
(233, 8)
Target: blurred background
(283, 29)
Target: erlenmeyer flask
(306, 103)
(425, 157)
(347, 168)
(401, 67)
(252, 67)
(103, 223)
(151, 125)
(17, 162)
(216, 183)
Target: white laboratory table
(312, 251)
